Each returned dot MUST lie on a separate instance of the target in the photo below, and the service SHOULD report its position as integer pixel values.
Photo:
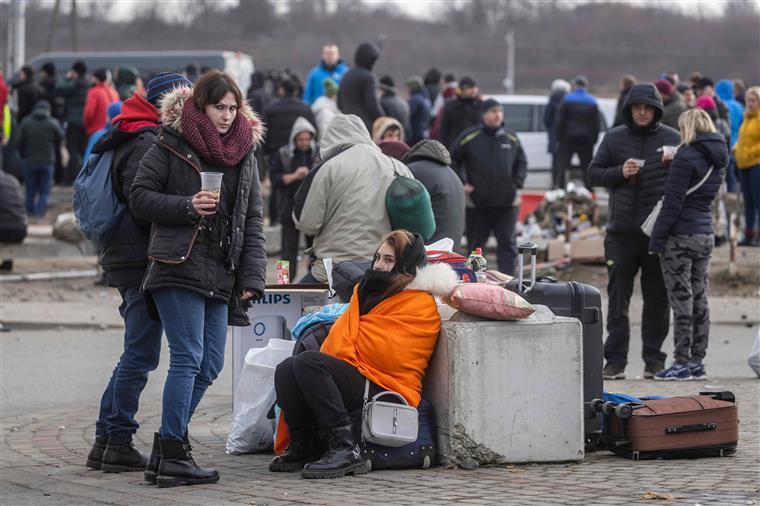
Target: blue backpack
(97, 208)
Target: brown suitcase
(705, 425)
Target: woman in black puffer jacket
(206, 256)
(683, 236)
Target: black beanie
(489, 104)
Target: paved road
(52, 380)
(43, 369)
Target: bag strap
(366, 390)
(699, 185)
(393, 167)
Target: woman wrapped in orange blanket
(386, 335)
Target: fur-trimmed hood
(172, 103)
(436, 279)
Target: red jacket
(99, 97)
(136, 113)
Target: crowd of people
(187, 261)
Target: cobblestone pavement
(43, 453)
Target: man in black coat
(430, 164)
(279, 117)
(634, 190)
(493, 168)
(124, 263)
(358, 90)
(27, 93)
(461, 113)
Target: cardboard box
(589, 250)
(272, 317)
(585, 250)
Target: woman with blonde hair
(683, 236)
(747, 154)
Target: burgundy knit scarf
(228, 150)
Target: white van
(524, 114)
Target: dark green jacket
(39, 136)
(74, 92)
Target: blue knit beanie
(164, 83)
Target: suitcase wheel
(608, 408)
(596, 405)
(623, 411)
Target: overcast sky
(427, 8)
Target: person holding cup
(199, 187)
(683, 236)
(628, 163)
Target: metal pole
(18, 37)
(8, 51)
(510, 80)
(74, 38)
(53, 25)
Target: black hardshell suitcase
(576, 300)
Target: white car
(524, 114)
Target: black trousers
(289, 240)
(12, 235)
(315, 388)
(500, 220)
(76, 143)
(565, 152)
(626, 254)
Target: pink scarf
(228, 150)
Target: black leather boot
(122, 456)
(177, 466)
(95, 457)
(301, 450)
(151, 469)
(344, 457)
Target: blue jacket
(681, 214)
(314, 82)
(725, 90)
(419, 116)
(577, 119)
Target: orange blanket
(392, 344)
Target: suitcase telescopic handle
(699, 427)
(526, 247)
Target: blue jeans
(750, 182)
(142, 348)
(196, 328)
(731, 177)
(38, 178)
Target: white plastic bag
(251, 429)
(754, 356)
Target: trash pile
(572, 211)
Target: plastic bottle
(477, 262)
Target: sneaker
(697, 371)
(651, 369)
(613, 372)
(676, 372)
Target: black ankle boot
(95, 457)
(151, 469)
(122, 456)
(177, 466)
(344, 457)
(302, 449)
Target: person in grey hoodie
(40, 135)
(430, 164)
(289, 166)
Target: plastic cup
(669, 151)
(636, 178)
(212, 182)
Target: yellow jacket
(747, 149)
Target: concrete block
(508, 392)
